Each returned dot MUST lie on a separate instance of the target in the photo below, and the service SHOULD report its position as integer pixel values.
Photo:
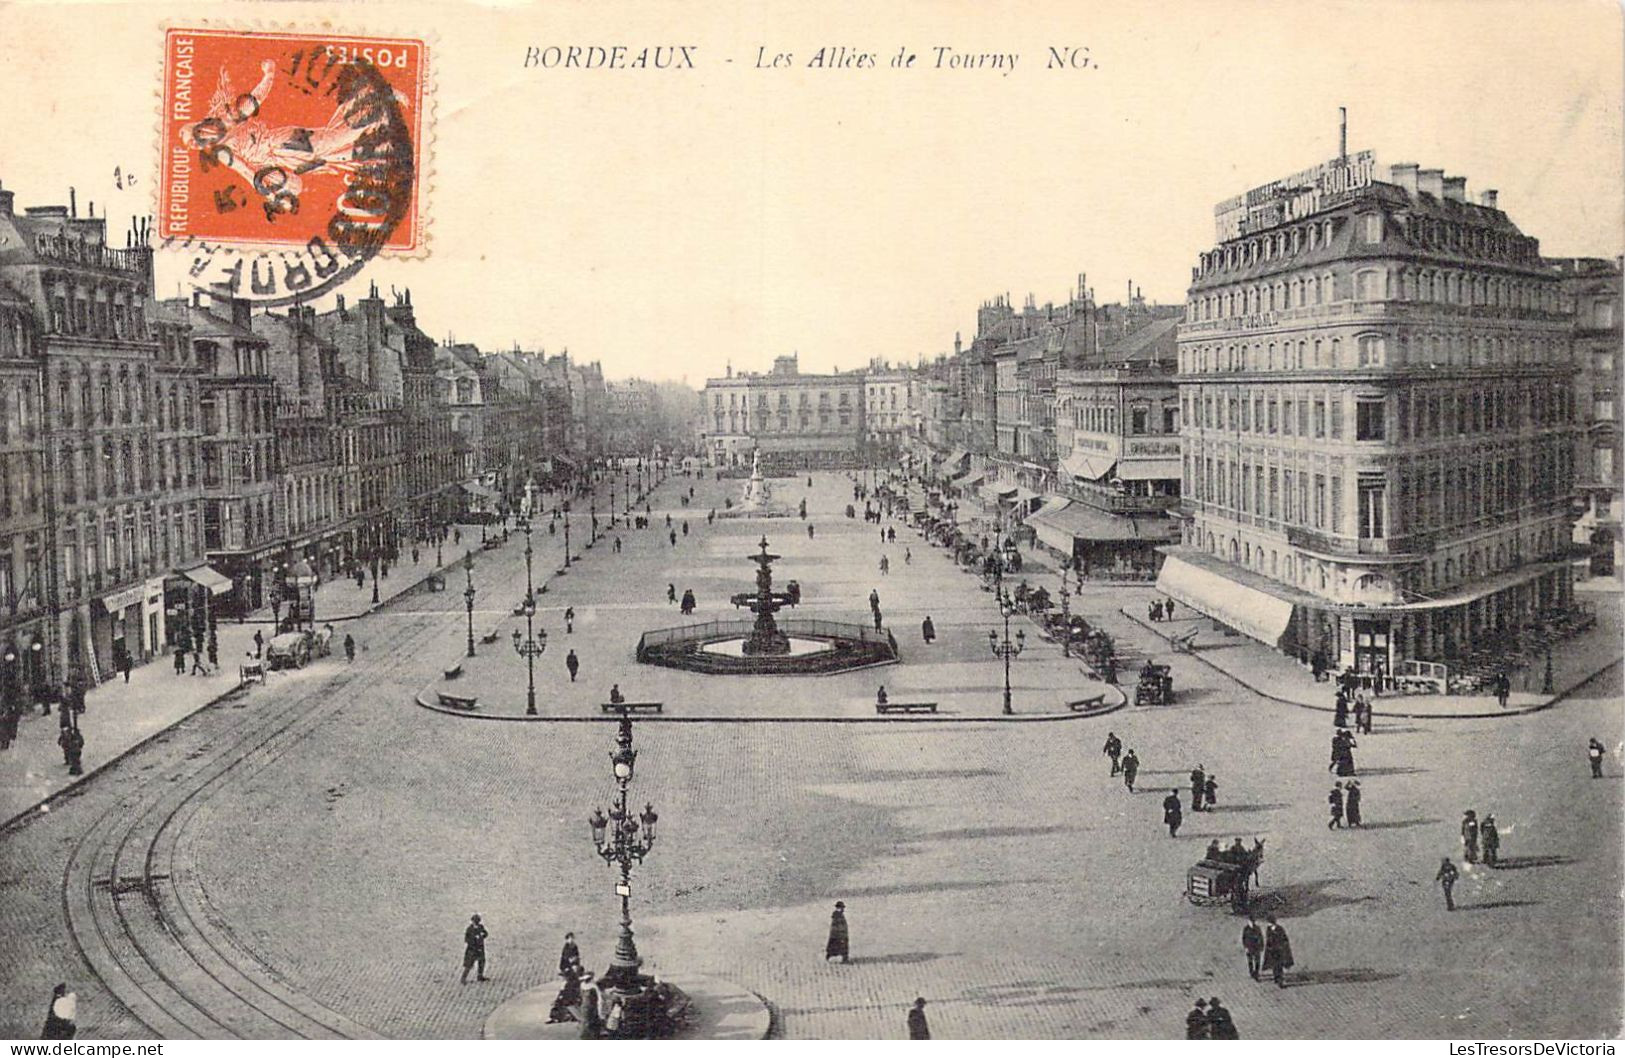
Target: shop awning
(1161, 469)
(209, 577)
(1087, 466)
(1247, 609)
(1082, 522)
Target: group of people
(1476, 835)
(1343, 746)
(1348, 700)
(1344, 803)
(1125, 764)
(1161, 610)
(1210, 1021)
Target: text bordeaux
(613, 57)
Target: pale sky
(667, 223)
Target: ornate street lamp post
(373, 562)
(530, 648)
(468, 598)
(1006, 649)
(566, 534)
(620, 840)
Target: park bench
(905, 707)
(455, 671)
(633, 707)
(250, 672)
(489, 637)
(463, 702)
(1086, 704)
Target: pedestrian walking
(214, 658)
(885, 565)
(1171, 813)
(1595, 753)
(72, 741)
(62, 1015)
(1210, 793)
(874, 599)
(1335, 801)
(572, 663)
(877, 620)
(1362, 723)
(1220, 1024)
(917, 1027)
(1469, 836)
(349, 647)
(569, 620)
(671, 593)
(908, 556)
(1317, 665)
(474, 949)
(1340, 710)
(1131, 768)
(688, 604)
(1277, 952)
(1503, 688)
(1114, 750)
(1196, 1023)
(1168, 610)
(180, 661)
(685, 526)
(617, 545)
(809, 531)
(1351, 802)
(1252, 942)
(1198, 784)
(259, 643)
(673, 535)
(928, 631)
(197, 663)
(840, 940)
(1490, 837)
(1447, 881)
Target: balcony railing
(1328, 544)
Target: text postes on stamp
(289, 160)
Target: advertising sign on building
(1293, 197)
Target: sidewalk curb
(1520, 711)
(425, 700)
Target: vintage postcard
(812, 521)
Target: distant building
(1592, 294)
(796, 421)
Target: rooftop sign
(1293, 197)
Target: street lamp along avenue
(1006, 649)
(468, 598)
(620, 839)
(530, 648)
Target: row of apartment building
(1382, 427)
(163, 457)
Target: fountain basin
(817, 647)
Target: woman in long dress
(839, 940)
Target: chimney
(1342, 134)
(340, 300)
(1455, 188)
(73, 202)
(1404, 175)
(8, 202)
(1431, 181)
(1488, 198)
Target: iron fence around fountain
(680, 646)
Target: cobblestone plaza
(300, 859)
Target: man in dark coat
(1198, 785)
(1491, 837)
(839, 943)
(1196, 1023)
(73, 748)
(1334, 801)
(1252, 942)
(1171, 813)
(1469, 836)
(917, 1027)
(1131, 768)
(1220, 1025)
(1351, 802)
(1595, 752)
(474, 948)
(1447, 881)
(1210, 793)
(1277, 952)
(1113, 749)
(928, 631)
(572, 663)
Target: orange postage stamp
(306, 147)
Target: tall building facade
(796, 421)
(1377, 420)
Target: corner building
(1377, 417)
